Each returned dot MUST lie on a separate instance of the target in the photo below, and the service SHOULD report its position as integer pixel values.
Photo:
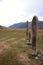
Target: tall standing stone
(27, 31)
(34, 35)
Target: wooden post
(34, 35)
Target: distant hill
(2, 27)
(18, 25)
(23, 25)
(40, 24)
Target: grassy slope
(12, 43)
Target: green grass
(16, 39)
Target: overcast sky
(14, 11)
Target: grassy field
(15, 51)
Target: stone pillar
(34, 35)
(27, 31)
(29, 36)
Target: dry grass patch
(4, 45)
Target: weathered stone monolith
(29, 36)
(34, 35)
(27, 31)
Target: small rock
(39, 55)
(36, 57)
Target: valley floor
(15, 51)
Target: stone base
(29, 43)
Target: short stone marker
(28, 35)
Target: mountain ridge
(22, 25)
(3, 27)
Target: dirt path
(3, 46)
(23, 58)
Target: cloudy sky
(14, 11)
